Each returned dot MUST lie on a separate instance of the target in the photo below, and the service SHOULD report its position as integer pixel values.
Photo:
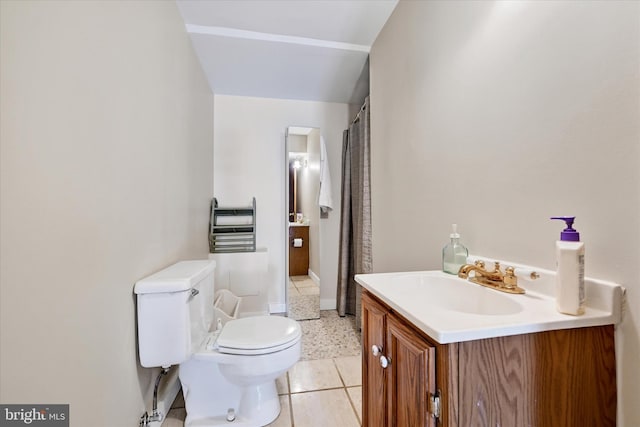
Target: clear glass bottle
(454, 255)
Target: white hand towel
(325, 199)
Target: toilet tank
(246, 275)
(175, 312)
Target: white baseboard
(328, 304)
(314, 277)
(253, 313)
(277, 308)
(325, 304)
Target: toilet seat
(258, 335)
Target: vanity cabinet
(398, 370)
(299, 256)
(554, 378)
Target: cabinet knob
(384, 362)
(376, 350)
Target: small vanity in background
(441, 351)
(298, 249)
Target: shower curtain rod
(364, 107)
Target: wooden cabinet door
(374, 392)
(299, 257)
(411, 376)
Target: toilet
(227, 373)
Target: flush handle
(194, 292)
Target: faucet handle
(510, 278)
(510, 281)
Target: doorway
(303, 222)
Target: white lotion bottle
(570, 293)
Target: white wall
(106, 151)
(498, 115)
(308, 190)
(249, 161)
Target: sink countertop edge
(607, 310)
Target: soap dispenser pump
(570, 292)
(454, 255)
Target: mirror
(303, 223)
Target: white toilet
(227, 376)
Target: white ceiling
(314, 50)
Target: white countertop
(448, 309)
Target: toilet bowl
(247, 356)
(227, 375)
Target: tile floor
(329, 336)
(303, 285)
(325, 387)
(304, 298)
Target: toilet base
(221, 421)
(260, 403)
(208, 396)
(264, 411)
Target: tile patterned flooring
(325, 387)
(329, 336)
(304, 298)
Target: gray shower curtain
(355, 220)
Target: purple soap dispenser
(570, 293)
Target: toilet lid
(258, 335)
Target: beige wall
(106, 164)
(497, 115)
(250, 162)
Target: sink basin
(452, 293)
(450, 309)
